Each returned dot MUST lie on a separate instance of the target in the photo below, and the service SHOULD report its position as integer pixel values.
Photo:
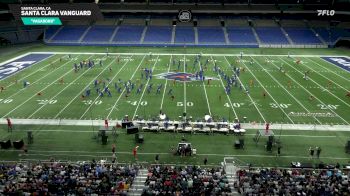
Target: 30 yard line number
(46, 101)
(90, 102)
(6, 100)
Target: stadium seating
(210, 35)
(241, 35)
(158, 34)
(332, 35)
(99, 34)
(50, 31)
(129, 34)
(271, 35)
(302, 35)
(69, 33)
(188, 180)
(66, 179)
(184, 35)
(292, 182)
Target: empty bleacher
(159, 31)
(210, 35)
(271, 35)
(69, 33)
(50, 31)
(184, 34)
(129, 34)
(241, 35)
(301, 35)
(99, 34)
(331, 34)
(158, 34)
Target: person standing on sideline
(205, 161)
(113, 148)
(114, 157)
(156, 159)
(312, 151)
(318, 152)
(279, 150)
(267, 127)
(106, 123)
(134, 152)
(9, 125)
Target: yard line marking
(35, 94)
(166, 82)
(44, 76)
(71, 101)
(318, 84)
(126, 62)
(329, 71)
(286, 90)
(313, 95)
(121, 94)
(251, 99)
(223, 86)
(12, 83)
(185, 103)
(267, 90)
(144, 89)
(205, 91)
(59, 92)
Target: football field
(270, 88)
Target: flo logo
(325, 12)
(180, 76)
(185, 16)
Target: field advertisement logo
(9, 68)
(325, 12)
(185, 16)
(180, 76)
(341, 62)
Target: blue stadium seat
(184, 35)
(156, 34)
(301, 35)
(241, 35)
(99, 34)
(50, 31)
(333, 34)
(271, 35)
(210, 35)
(70, 33)
(129, 33)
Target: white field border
(187, 54)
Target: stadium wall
(189, 45)
(152, 45)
